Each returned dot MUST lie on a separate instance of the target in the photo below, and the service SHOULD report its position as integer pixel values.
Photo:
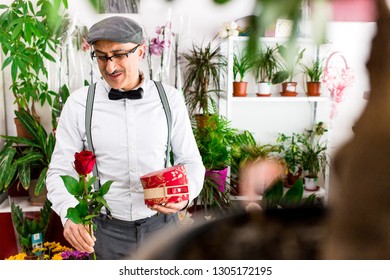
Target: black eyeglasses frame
(105, 58)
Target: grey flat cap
(116, 29)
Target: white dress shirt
(130, 139)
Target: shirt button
(133, 169)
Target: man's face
(122, 70)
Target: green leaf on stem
(90, 182)
(105, 187)
(74, 215)
(72, 185)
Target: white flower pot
(311, 183)
(264, 89)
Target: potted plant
(289, 59)
(240, 67)
(247, 152)
(204, 69)
(313, 71)
(28, 38)
(214, 141)
(314, 157)
(26, 228)
(264, 68)
(291, 152)
(21, 157)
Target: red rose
(84, 162)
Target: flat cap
(116, 29)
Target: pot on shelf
(239, 89)
(289, 89)
(263, 89)
(313, 88)
(311, 183)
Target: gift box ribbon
(166, 191)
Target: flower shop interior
(281, 125)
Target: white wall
(200, 20)
(353, 40)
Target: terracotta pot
(289, 87)
(313, 88)
(202, 120)
(291, 94)
(37, 200)
(292, 178)
(21, 130)
(239, 89)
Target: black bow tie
(130, 94)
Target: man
(129, 138)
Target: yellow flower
(57, 257)
(19, 256)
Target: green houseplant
(204, 69)
(28, 37)
(313, 71)
(264, 67)
(290, 58)
(21, 156)
(26, 227)
(290, 150)
(214, 141)
(241, 66)
(314, 156)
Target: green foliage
(275, 196)
(214, 141)
(241, 66)
(266, 12)
(314, 70)
(28, 37)
(58, 104)
(90, 201)
(306, 150)
(290, 57)
(26, 227)
(204, 67)
(20, 155)
(266, 64)
(314, 157)
(291, 151)
(212, 197)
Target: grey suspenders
(88, 119)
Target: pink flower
(156, 46)
(84, 45)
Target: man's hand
(169, 208)
(78, 236)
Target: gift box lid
(170, 176)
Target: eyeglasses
(114, 58)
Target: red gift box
(166, 185)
